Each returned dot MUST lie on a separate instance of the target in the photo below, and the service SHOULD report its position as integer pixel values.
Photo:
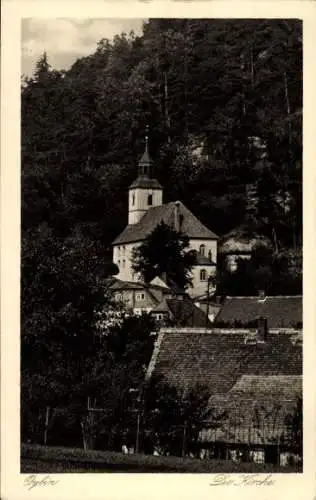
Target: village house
(209, 305)
(145, 211)
(167, 304)
(283, 311)
(256, 409)
(180, 311)
(137, 297)
(253, 375)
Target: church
(145, 211)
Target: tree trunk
(46, 424)
(252, 68)
(288, 106)
(167, 117)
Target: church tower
(144, 192)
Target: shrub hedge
(41, 459)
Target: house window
(202, 275)
(123, 249)
(123, 263)
(118, 263)
(140, 296)
(133, 199)
(150, 199)
(202, 250)
(210, 255)
(119, 250)
(159, 316)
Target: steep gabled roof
(281, 311)
(283, 385)
(183, 311)
(255, 409)
(159, 281)
(126, 285)
(186, 313)
(191, 356)
(162, 307)
(190, 225)
(118, 284)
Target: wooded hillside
(205, 88)
(195, 82)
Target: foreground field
(40, 459)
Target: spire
(145, 161)
(144, 178)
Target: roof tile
(282, 311)
(190, 226)
(218, 360)
(145, 182)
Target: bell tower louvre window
(145, 192)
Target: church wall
(140, 206)
(210, 245)
(200, 286)
(122, 257)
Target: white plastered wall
(210, 245)
(137, 210)
(200, 287)
(122, 257)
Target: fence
(230, 439)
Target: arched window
(210, 255)
(202, 275)
(150, 199)
(133, 199)
(123, 263)
(202, 250)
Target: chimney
(177, 216)
(262, 329)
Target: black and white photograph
(161, 245)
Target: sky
(64, 40)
